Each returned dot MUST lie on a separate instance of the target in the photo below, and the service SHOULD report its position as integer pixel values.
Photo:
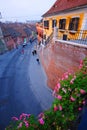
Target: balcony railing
(79, 36)
(49, 38)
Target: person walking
(38, 60)
(22, 51)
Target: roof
(62, 5)
(4, 30)
(27, 31)
(32, 27)
(13, 32)
(21, 31)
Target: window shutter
(77, 23)
(62, 23)
(73, 25)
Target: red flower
(72, 99)
(26, 123)
(79, 108)
(15, 118)
(82, 91)
(20, 125)
(58, 86)
(41, 121)
(55, 108)
(60, 108)
(59, 97)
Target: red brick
(59, 58)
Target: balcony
(79, 37)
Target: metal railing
(49, 38)
(79, 36)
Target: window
(62, 23)
(74, 22)
(54, 23)
(46, 24)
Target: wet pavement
(83, 123)
(23, 86)
(38, 79)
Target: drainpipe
(44, 34)
(55, 33)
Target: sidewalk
(38, 83)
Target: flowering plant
(70, 98)
(70, 94)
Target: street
(23, 86)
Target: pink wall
(59, 58)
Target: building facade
(68, 18)
(3, 47)
(39, 27)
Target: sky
(22, 10)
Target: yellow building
(70, 18)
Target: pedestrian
(38, 60)
(16, 47)
(35, 52)
(22, 51)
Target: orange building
(39, 28)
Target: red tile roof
(62, 5)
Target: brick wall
(60, 57)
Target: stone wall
(60, 57)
